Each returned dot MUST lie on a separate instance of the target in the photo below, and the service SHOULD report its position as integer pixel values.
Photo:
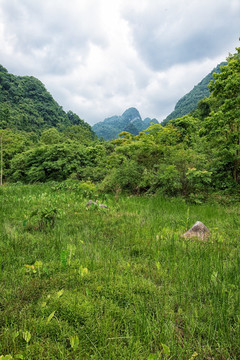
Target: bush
(126, 177)
(168, 180)
(198, 182)
(87, 188)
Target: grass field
(116, 283)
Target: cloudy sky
(99, 57)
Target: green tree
(223, 125)
(50, 136)
(81, 133)
(14, 143)
(188, 128)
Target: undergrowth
(82, 282)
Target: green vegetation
(189, 102)
(89, 282)
(26, 105)
(191, 156)
(83, 282)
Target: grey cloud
(53, 36)
(179, 35)
(97, 61)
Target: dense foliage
(189, 102)
(191, 156)
(26, 105)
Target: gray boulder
(90, 202)
(198, 230)
(103, 206)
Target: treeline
(191, 156)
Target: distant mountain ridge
(26, 105)
(189, 102)
(129, 121)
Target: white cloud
(98, 58)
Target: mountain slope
(26, 105)
(189, 102)
(129, 121)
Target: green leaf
(59, 293)
(166, 349)
(15, 334)
(214, 276)
(26, 336)
(194, 355)
(83, 271)
(87, 291)
(74, 341)
(38, 264)
(152, 357)
(63, 257)
(51, 316)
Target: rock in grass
(90, 202)
(198, 230)
(103, 206)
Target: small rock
(198, 230)
(103, 206)
(90, 202)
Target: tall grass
(116, 283)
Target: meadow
(81, 282)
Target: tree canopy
(190, 156)
(26, 105)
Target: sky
(99, 57)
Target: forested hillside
(26, 105)
(190, 156)
(129, 121)
(189, 102)
(117, 278)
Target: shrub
(168, 180)
(126, 177)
